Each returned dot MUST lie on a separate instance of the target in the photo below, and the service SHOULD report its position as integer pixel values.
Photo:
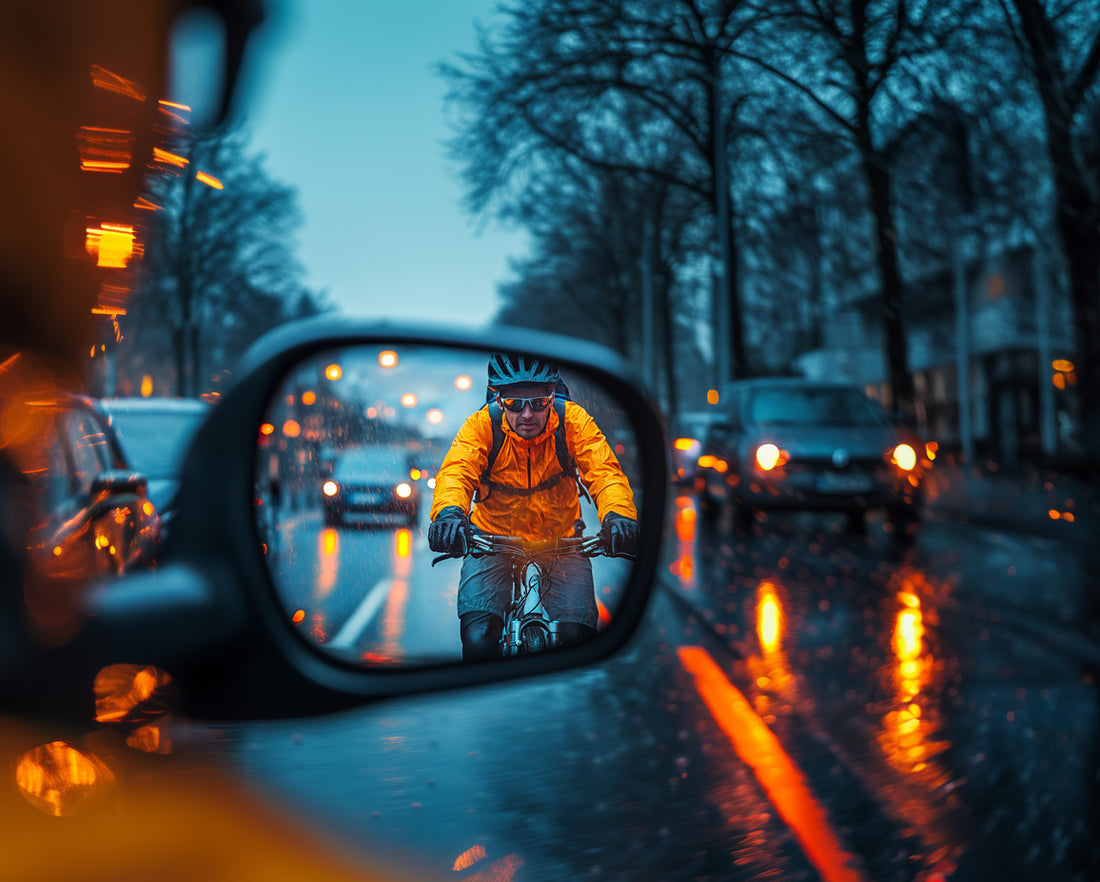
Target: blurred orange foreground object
(177, 822)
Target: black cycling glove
(620, 535)
(447, 533)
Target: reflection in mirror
(361, 446)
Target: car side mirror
(277, 595)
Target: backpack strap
(496, 412)
(561, 448)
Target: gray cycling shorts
(568, 593)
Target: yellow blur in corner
(90, 808)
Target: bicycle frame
(528, 629)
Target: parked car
(798, 444)
(371, 480)
(99, 517)
(154, 434)
(687, 432)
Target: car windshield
(388, 464)
(821, 407)
(155, 441)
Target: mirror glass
(353, 449)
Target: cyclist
(524, 485)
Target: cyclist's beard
(528, 425)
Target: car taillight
(330, 488)
(685, 443)
(904, 457)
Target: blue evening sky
(348, 109)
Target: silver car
(154, 434)
(797, 444)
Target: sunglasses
(516, 405)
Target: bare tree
(598, 239)
(220, 268)
(562, 75)
(854, 64)
(1060, 46)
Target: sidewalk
(1054, 506)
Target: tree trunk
(890, 281)
(1077, 223)
(728, 332)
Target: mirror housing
(219, 628)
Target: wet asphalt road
(801, 703)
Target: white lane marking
(367, 610)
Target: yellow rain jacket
(522, 464)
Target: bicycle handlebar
(482, 544)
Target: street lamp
(334, 372)
(408, 400)
(387, 358)
(463, 383)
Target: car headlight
(403, 490)
(768, 456)
(330, 488)
(904, 457)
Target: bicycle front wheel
(534, 637)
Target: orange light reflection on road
(781, 779)
(403, 543)
(684, 566)
(329, 557)
(393, 613)
(393, 619)
(769, 617)
(59, 780)
(908, 728)
(685, 524)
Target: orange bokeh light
(59, 780)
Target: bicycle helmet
(508, 370)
